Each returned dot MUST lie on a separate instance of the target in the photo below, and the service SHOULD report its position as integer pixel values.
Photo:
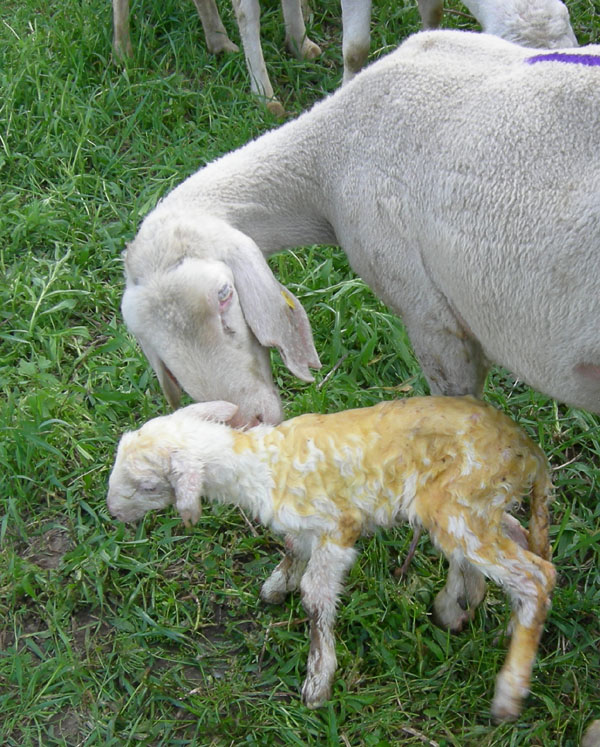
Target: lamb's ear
(272, 312)
(187, 481)
(218, 411)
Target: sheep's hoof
(222, 45)
(276, 108)
(591, 738)
(310, 50)
(122, 50)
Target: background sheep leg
(121, 41)
(296, 40)
(431, 12)
(214, 31)
(286, 576)
(247, 13)
(321, 585)
(356, 35)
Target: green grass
(154, 635)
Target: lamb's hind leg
(465, 588)
(321, 586)
(464, 591)
(529, 581)
(286, 576)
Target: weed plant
(154, 635)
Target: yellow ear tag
(287, 298)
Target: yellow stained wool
(425, 459)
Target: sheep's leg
(286, 576)
(247, 13)
(431, 12)
(321, 585)
(356, 21)
(296, 40)
(455, 604)
(121, 41)
(214, 31)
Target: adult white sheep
(532, 23)
(459, 174)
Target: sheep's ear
(219, 411)
(168, 382)
(187, 481)
(273, 313)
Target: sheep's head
(205, 308)
(156, 465)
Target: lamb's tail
(541, 494)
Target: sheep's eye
(148, 486)
(224, 294)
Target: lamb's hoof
(315, 692)
(503, 712)
(508, 699)
(276, 108)
(271, 596)
(591, 738)
(450, 615)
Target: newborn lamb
(452, 465)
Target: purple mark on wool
(575, 59)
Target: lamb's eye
(148, 486)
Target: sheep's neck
(271, 189)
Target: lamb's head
(160, 464)
(205, 307)
(139, 481)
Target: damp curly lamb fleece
(449, 464)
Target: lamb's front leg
(321, 585)
(286, 576)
